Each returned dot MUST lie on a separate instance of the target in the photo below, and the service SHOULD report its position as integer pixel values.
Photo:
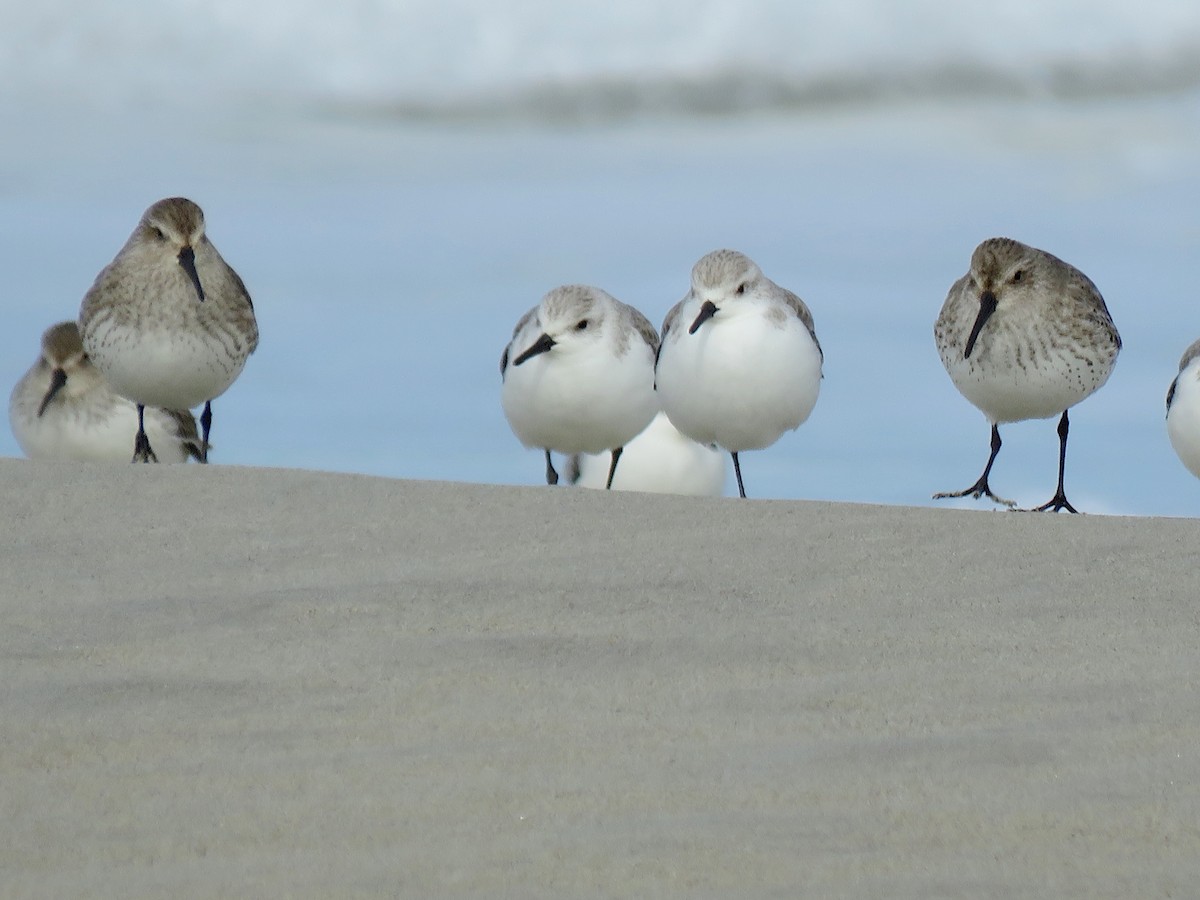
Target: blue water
(389, 253)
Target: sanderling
(168, 322)
(660, 460)
(739, 362)
(64, 409)
(1024, 335)
(1183, 410)
(578, 375)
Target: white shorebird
(660, 460)
(168, 322)
(1024, 335)
(64, 409)
(739, 362)
(578, 375)
(1183, 410)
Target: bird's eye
(741, 289)
(581, 325)
(1017, 276)
(157, 232)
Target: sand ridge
(224, 681)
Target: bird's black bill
(187, 259)
(541, 345)
(987, 306)
(58, 378)
(707, 311)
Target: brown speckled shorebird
(64, 409)
(1024, 335)
(168, 322)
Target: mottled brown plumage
(168, 322)
(1024, 335)
(64, 409)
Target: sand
(247, 682)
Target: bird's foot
(1057, 503)
(976, 491)
(142, 451)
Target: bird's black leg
(551, 475)
(205, 426)
(142, 451)
(737, 470)
(612, 469)
(1059, 500)
(980, 488)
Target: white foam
(475, 56)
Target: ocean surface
(398, 182)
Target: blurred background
(397, 182)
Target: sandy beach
(251, 682)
